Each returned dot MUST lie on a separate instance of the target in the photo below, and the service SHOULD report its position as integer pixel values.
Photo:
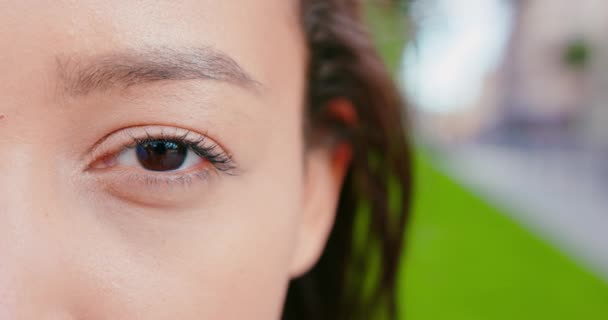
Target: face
(153, 162)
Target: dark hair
(356, 275)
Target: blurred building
(553, 86)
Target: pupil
(161, 155)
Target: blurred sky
(457, 43)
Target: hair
(356, 276)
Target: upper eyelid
(184, 137)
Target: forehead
(258, 34)
(142, 18)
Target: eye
(160, 155)
(158, 166)
(159, 150)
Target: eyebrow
(80, 76)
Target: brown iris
(161, 155)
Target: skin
(85, 235)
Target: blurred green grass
(468, 260)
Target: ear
(326, 167)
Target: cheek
(227, 260)
(257, 239)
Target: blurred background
(509, 107)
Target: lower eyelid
(170, 178)
(169, 189)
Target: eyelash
(221, 160)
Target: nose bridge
(24, 185)
(28, 209)
(28, 194)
